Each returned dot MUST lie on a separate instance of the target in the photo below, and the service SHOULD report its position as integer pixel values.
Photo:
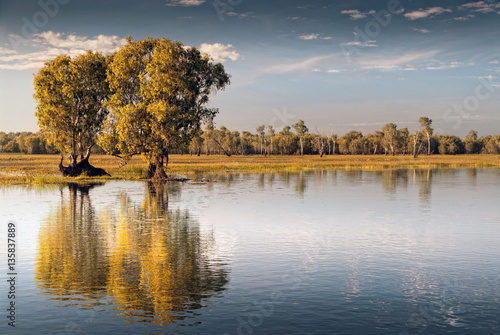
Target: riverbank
(40, 169)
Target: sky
(337, 65)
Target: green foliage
(160, 91)
(70, 95)
(493, 145)
(451, 145)
(425, 129)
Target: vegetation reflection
(154, 262)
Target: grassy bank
(20, 168)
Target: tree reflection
(392, 179)
(423, 178)
(152, 261)
(301, 185)
(69, 248)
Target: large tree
(70, 96)
(161, 89)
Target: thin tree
(391, 136)
(261, 133)
(425, 128)
(271, 133)
(301, 130)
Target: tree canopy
(160, 92)
(70, 96)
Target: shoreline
(43, 169)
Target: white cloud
(48, 45)
(464, 18)
(389, 62)
(309, 37)
(493, 62)
(362, 44)
(185, 3)
(421, 30)
(305, 65)
(485, 77)
(5, 51)
(423, 13)
(444, 66)
(101, 43)
(314, 37)
(381, 67)
(220, 52)
(480, 7)
(333, 71)
(238, 15)
(355, 14)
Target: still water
(319, 252)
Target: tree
(301, 130)
(472, 145)
(70, 95)
(161, 89)
(425, 128)
(196, 143)
(261, 131)
(320, 142)
(271, 133)
(404, 138)
(350, 143)
(450, 144)
(34, 144)
(287, 143)
(493, 145)
(391, 136)
(416, 143)
(334, 142)
(378, 138)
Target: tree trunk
(428, 145)
(77, 169)
(156, 170)
(415, 153)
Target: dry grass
(20, 168)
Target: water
(320, 252)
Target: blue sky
(338, 65)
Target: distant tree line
(296, 140)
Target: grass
(43, 169)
